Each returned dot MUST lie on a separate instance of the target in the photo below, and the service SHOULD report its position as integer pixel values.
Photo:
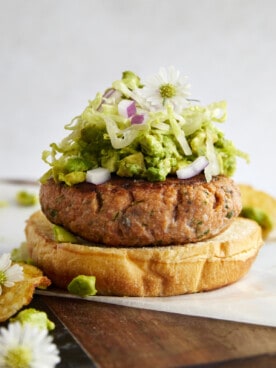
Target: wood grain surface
(115, 336)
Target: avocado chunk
(63, 236)
(24, 198)
(83, 285)
(132, 165)
(34, 317)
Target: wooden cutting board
(92, 334)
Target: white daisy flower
(9, 274)
(168, 86)
(27, 346)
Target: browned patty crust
(130, 213)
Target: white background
(56, 54)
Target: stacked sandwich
(141, 189)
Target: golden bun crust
(147, 271)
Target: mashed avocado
(150, 142)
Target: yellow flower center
(18, 357)
(167, 90)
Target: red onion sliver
(193, 169)
(137, 119)
(127, 108)
(109, 92)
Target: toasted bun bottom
(148, 271)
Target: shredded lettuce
(165, 142)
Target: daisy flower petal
(14, 273)
(167, 87)
(9, 274)
(27, 346)
(5, 262)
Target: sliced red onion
(98, 176)
(193, 169)
(111, 96)
(138, 119)
(109, 92)
(127, 108)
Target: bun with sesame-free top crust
(147, 271)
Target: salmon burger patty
(124, 212)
